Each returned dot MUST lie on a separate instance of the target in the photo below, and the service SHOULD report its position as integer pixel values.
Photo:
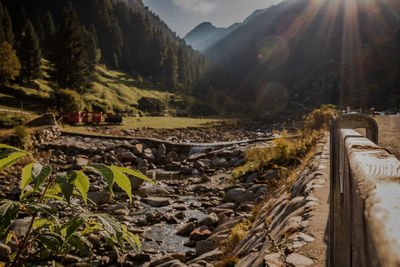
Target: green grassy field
(149, 122)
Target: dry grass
(238, 233)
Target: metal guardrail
(365, 196)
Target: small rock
(200, 233)
(148, 154)
(101, 197)
(168, 258)
(126, 156)
(138, 149)
(141, 257)
(20, 226)
(81, 160)
(210, 220)
(298, 260)
(161, 151)
(157, 201)
(273, 260)
(142, 164)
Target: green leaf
(40, 207)
(122, 181)
(9, 147)
(39, 223)
(50, 240)
(6, 152)
(11, 159)
(105, 172)
(82, 183)
(73, 225)
(67, 183)
(80, 243)
(113, 227)
(132, 239)
(136, 174)
(8, 212)
(40, 173)
(26, 177)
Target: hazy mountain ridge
(205, 35)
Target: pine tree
(9, 63)
(170, 70)
(29, 53)
(6, 30)
(183, 71)
(91, 46)
(49, 31)
(69, 55)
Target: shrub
(68, 100)
(48, 237)
(20, 136)
(320, 118)
(11, 122)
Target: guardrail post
(339, 224)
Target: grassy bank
(111, 90)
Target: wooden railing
(365, 196)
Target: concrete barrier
(365, 197)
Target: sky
(183, 15)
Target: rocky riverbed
(186, 220)
(194, 199)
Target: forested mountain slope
(312, 52)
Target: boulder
(45, 120)
(233, 194)
(204, 246)
(247, 196)
(219, 163)
(213, 255)
(186, 229)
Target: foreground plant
(46, 237)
